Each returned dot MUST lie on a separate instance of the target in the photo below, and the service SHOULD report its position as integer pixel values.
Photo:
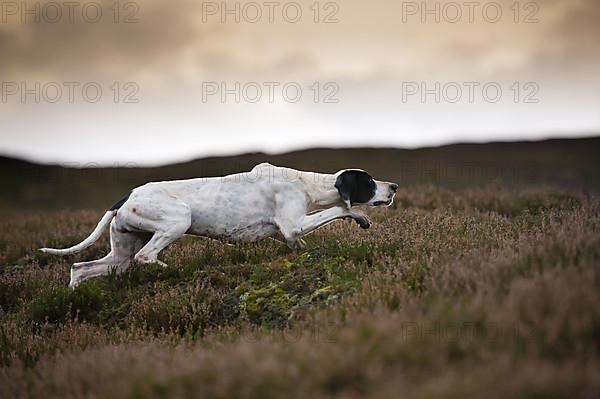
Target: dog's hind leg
(165, 234)
(159, 241)
(82, 271)
(123, 246)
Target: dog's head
(357, 187)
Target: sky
(155, 82)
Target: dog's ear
(343, 191)
(355, 187)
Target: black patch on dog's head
(355, 186)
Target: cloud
(98, 50)
(172, 42)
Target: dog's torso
(238, 207)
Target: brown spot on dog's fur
(133, 210)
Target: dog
(243, 207)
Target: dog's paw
(75, 275)
(363, 221)
(298, 244)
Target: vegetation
(483, 291)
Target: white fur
(239, 208)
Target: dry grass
(479, 292)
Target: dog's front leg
(293, 231)
(319, 219)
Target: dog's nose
(394, 187)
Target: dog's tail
(96, 234)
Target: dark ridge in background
(564, 163)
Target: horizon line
(93, 164)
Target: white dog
(239, 208)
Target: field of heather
(453, 292)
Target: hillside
(566, 163)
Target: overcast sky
(295, 75)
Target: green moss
(270, 305)
(277, 291)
